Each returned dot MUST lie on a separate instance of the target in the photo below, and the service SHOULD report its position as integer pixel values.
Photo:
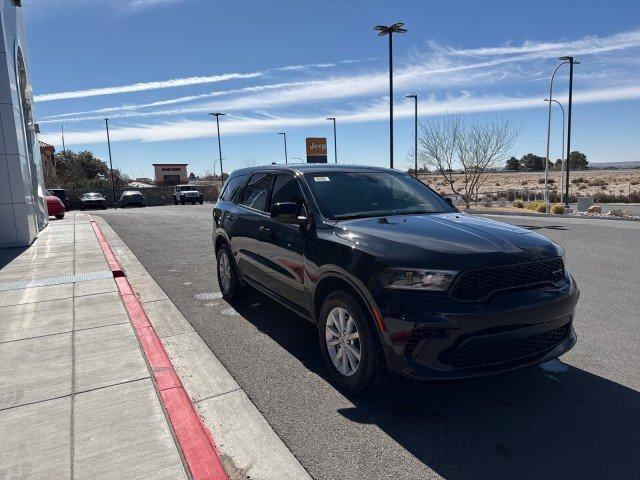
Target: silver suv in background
(186, 193)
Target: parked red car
(55, 206)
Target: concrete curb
(194, 439)
(247, 445)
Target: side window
(256, 193)
(230, 191)
(286, 189)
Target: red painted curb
(194, 438)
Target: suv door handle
(231, 217)
(264, 229)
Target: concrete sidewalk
(76, 396)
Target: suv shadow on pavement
(558, 422)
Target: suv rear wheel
(228, 278)
(349, 345)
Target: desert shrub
(537, 206)
(603, 187)
(497, 184)
(518, 204)
(598, 182)
(551, 180)
(526, 182)
(558, 209)
(541, 181)
(635, 182)
(582, 186)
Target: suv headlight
(418, 279)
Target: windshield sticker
(321, 179)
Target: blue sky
(156, 67)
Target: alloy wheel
(343, 341)
(224, 271)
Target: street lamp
(335, 139)
(286, 160)
(415, 130)
(546, 165)
(561, 151)
(217, 115)
(382, 31)
(572, 62)
(113, 188)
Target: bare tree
(452, 145)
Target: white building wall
(22, 208)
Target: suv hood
(446, 241)
(190, 192)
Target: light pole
(335, 139)
(415, 130)
(382, 31)
(546, 165)
(572, 62)
(217, 115)
(113, 187)
(286, 159)
(561, 151)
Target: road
(578, 418)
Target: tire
(200, 202)
(82, 208)
(60, 217)
(181, 202)
(372, 372)
(235, 289)
(175, 202)
(193, 203)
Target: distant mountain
(610, 165)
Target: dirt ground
(582, 183)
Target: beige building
(170, 173)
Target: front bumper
(437, 337)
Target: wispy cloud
(178, 82)
(144, 86)
(378, 110)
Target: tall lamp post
(286, 159)
(218, 115)
(113, 187)
(415, 131)
(382, 31)
(546, 165)
(561, 151)
(335, 139)
(572, 62)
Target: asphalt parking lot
(578, 418)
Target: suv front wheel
(349, 345)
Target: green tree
(578, 161)
(513, 164)
(79, 169)
(532, 163)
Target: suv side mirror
(287, 212)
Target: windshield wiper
(350, 216)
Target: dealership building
(23, 211)
(170, 173)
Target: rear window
(256, 193)
(231, 188)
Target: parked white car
(186, 193)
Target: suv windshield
(342, 195)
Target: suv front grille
(478, 284)
(534, 345)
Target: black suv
(394, 277)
